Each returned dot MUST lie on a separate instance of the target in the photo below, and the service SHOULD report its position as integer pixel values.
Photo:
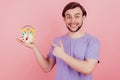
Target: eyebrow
(75, 14)
(67, 14)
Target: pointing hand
(58, 50)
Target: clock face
(27, 34)
(30, 37)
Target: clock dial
(30, 37)
(24, 36)
(27, 34)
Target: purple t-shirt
(83, 48)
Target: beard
(76, 29)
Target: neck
(76, 34)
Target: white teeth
(73, 25)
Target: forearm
(45, 64)
(79, 65)
(82, 66)
(42, 61)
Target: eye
(68, 16)
(77, 16)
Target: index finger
(20, 41)
(53, 44)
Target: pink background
(19, 63)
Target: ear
(64, 18)
(84, 17)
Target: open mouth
(73, 25)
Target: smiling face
(74, 19)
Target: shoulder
(57, 39)
(92, 39)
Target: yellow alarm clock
(27, 34)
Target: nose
(72, 19)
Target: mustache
(76, 29)
(73, 23)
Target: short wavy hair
(73, 5)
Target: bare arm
(82, 66)
(85, 67)
(46, 64)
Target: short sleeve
(50, 54)
(93, 50)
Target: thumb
(61, 44)
(53, 44)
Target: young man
(75, 53)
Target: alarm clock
(27, 34)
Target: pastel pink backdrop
(19, 63)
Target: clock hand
(26, 38)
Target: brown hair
(72, 5)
